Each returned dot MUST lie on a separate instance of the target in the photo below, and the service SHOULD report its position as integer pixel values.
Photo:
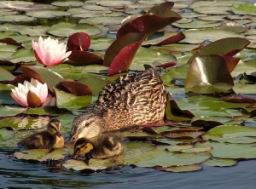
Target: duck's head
(54, 127)
(86, 126)
(83, 147)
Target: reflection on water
(18, 174)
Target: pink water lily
(21, 93)
(50, 52)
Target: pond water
(17, 174)
(25, 22)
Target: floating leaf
(6, 75)
(78, 57)
(208, 75)
(24, 122)
(174, 113)
(71, 102)
(42, 74)
(244, 8)
(94, 165)
(75, 88)
(40, 155)
(233, 151)
(183, 133)
(182, 169)
(220, 162)
(64, 29)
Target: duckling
(100, 148)
(49, 139)
(135, 99)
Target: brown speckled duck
(135, 99)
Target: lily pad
(233, 151)
(64, 29)
(182, 169)
(40, 155)
(220, 162)
(244, 9)
(47, 14)
(208, 75)
(94, 165)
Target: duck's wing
(128, 90)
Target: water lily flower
(30, 94)
(50, 52)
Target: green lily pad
(6, 75)
(23, 55)
(233, 151)
(231, 131)
(197, 24)
(217, 162)
(68, 4)
(24, 122)
(182, 169)
(106, 20)
(64, 29)
(40, 155)
(71, 102)
(94, 165)
(150, 156)
(47, 14)
(152, 57)
(10, 111)
(198, 36)
(244, 9)
(16, 19)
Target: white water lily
(50, 52)
(20, 93)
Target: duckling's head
(83, 147)
(86, 126)
(54, 127)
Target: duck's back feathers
(133, 99)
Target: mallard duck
(49, 139)
(102, 147)
(135, 99)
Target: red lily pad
(157, 18)
(79, 41)
(75, 87)
(208, 75)
(120, 54)
(173, 39)
(78, 58)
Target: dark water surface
(17, 174)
